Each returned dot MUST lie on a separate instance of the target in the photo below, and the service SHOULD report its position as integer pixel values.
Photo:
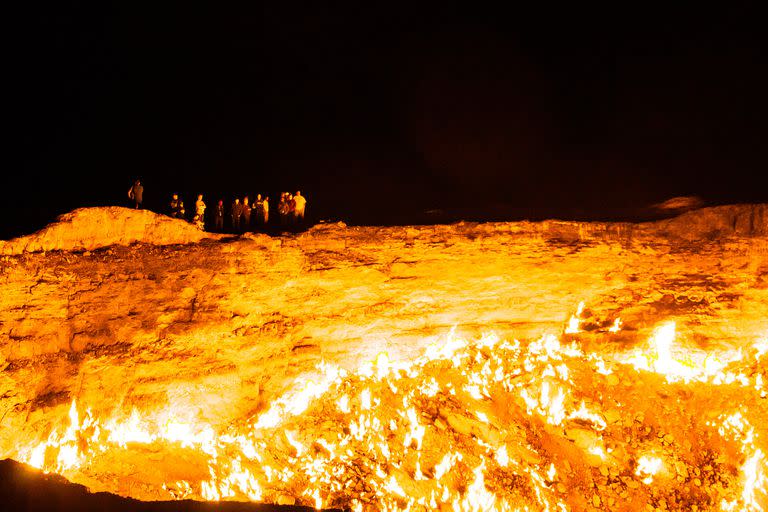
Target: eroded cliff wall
(225, 325)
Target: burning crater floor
(547, 366)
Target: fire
(684, 364)
(755, 473)
(647, 467)
(483, 424)
(575, 320)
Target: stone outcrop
(86, 229)
(716, 223)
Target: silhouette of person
(246, 214)
(283, 208)
(136, 193)
(265, 210)
(258, 210)
(219, 216)
(300, 203)
(176, 206)
(200, 212)
(237, 213)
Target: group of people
(245, 215)
(179, 212)
(291, 207)
(242, 213)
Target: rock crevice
(223, 327)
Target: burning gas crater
(486, 424)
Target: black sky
(381, 112)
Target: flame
(677, 364)
(648, 466)
(477, 498)
(755, 473)
(574, 321)
(449, 429)
(551, 473)
(761, 348)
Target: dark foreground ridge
(25, 489)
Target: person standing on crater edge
(136, 193)
(291, 209)
(246, 214)
(219, 217)
(200, 212)
(265, 210)
(301, 204)
(176, 206)
(237, 212)
(258, 210)
(282, 208)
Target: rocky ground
(26, 489)
(210, 332)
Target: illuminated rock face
(190, 364)
(91, 228)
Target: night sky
(381, 113)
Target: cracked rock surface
(227, 324)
